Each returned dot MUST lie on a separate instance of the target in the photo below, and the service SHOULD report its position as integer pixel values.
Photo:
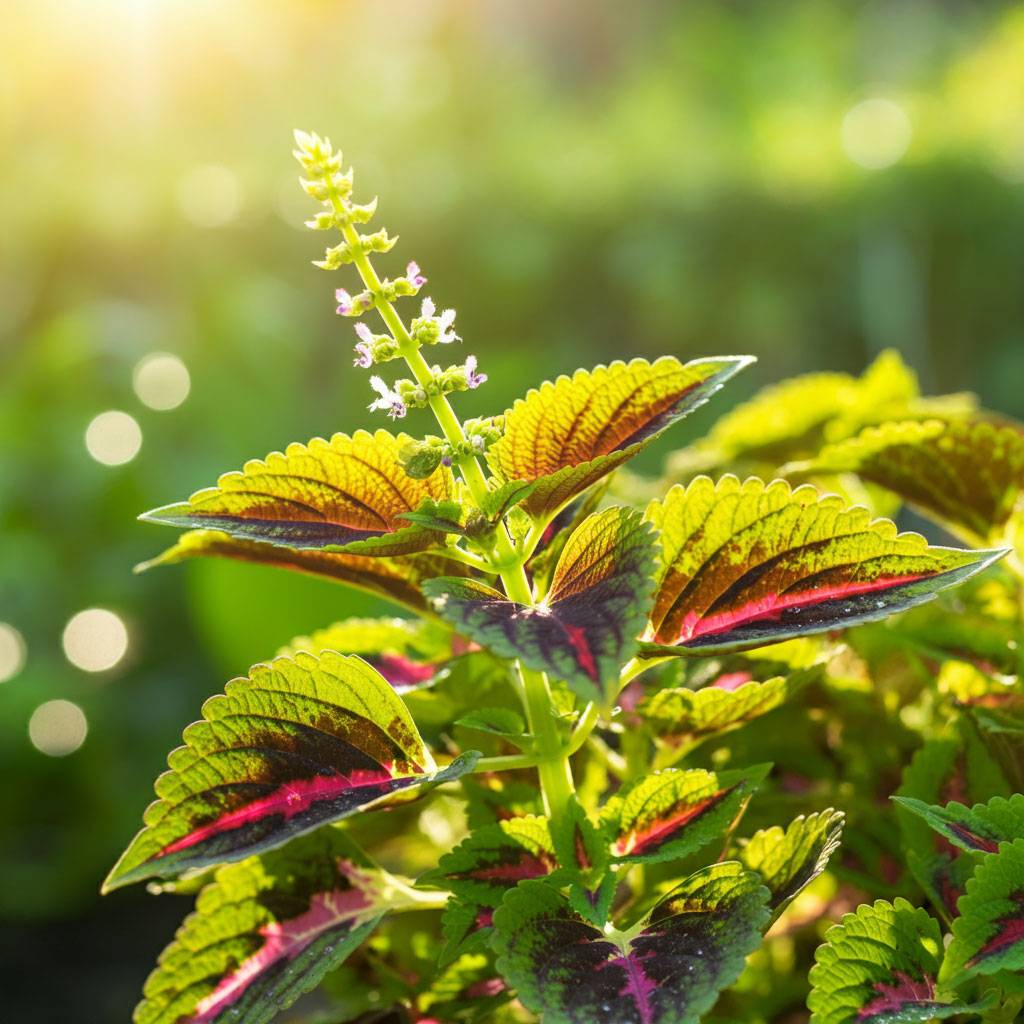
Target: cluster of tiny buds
(421, 458)
(404, 395)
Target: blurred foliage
(583, 180)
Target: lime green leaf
(496, 721)
(408, 653)
(880, 964)
(675, 812)
(346, 494)
(988, 936)
(568, 434)
(495, 858)
(977, 829)
(295, 744)
(788, 860)
(397, 579)
(678, 713)
(264, 932)
(748, 564)
(586, 628)
(669, 969)
(968, 474)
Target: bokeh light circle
(876, 133)
(95, 640)
(12, 652)
(210, 196)
(57, 728)
(113, 438)
(161, 381)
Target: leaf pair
(296, 744)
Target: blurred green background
(810, 182)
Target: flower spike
(389, 401)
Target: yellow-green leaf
(346, 494)
(569, 433)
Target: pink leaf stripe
(748, 564)
(298, 743)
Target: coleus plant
(601, 769)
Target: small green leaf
(788, 860)
(749, 564)
(988, 936)
(586, 628)
(346, 494)
(264, 932)
(496, 721)
(880, 964)
(466, 927)
(977, 829)
(295, 744)
(568, 434)
(675, 812)
(668, 969)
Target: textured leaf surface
(494, 859)
(988, 936)
(880, 964)
(678, 713)
(586, 627)
(266, 931)
(748, 564)
(397, 579)
(969, 473)
(790, 859)
(346, 493)
(675, 812)
(568, 434)
(977, 829)
(669, 970)
(295, 744)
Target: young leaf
(495, 858)
(669, 969)
(264, 932)
(789, 860)
(568, 434)
(988, 936)
(673, 813)
(346, 494)
(397, 579)
(295, 744)
(731, 701)
(749, 564)
(586, 627)
(880, 964)
(967, 473)
(977, 829)
(466, 928)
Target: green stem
(552, 760)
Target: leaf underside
(586, 628)
(264, 932)
(569, 433)
(671, 971)
(346, 494)
(749, 564)
(296, 744)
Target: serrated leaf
(408, 653)
(678, 713)
(749, 564)
(988, 935)
(295, 744)
(675, 812)
(977, 829)
(346, 494)
(397, 579)
(493, 859)
(264, 932)
(967, 473)
(669, 969)
(586, 628)
(466, 928)
(788, 860)
(505, 496)
(568, 434)
(880, 964)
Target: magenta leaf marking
(894, 998)
(660, 831)
(1011, 931)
